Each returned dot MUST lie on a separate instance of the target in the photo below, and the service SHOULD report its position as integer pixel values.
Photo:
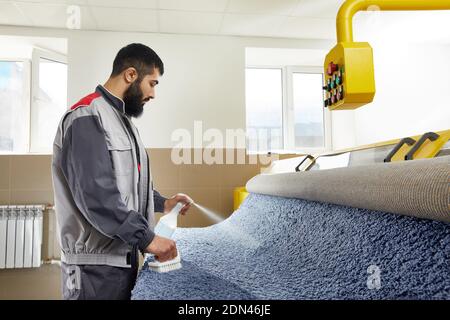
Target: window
(284, 110)
(308, 110)
(14, 105)
(49, 98)
(31, 103)
(264, 111)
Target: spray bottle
(166, 226)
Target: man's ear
(130, 75)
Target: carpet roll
(418, 188)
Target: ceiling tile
(125, 19)
(273, 18)
(54, 15)
(194, 5)
(251, 25)
(308, 28)
(59, 2)
(133, 4)
(189, 22)
(269, 7)
(79, 2)
(11, 15)
(318, 8)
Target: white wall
(204, 75)
(412, 98)
(204, 78)
(285, 57)
(412, 70)
(13, 47)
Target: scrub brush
(165, 228)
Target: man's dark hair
(138, 56)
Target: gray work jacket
(104, 197)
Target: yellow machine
(349, 76)
(349, 82)
(349, 71)
(239, 195)
(427, 145)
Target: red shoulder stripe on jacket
(86, 100)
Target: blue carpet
(280, 248)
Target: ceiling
(268, 18)
(301, 19)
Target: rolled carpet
(285, 248)
(418, 188)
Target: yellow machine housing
(239, 196)
(355, 85)
(349, 76)
(427, 149)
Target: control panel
(349, 81)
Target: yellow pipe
(351, 7)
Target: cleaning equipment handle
(168, 223)
(350, 7)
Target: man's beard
(133, 98)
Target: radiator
(21, 236)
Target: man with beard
(104, 197)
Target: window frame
(283, 101)
(37, 54)
(290, 70)
(288, 115)
(31, 68)
(27, 93)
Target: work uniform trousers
(98, 282)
